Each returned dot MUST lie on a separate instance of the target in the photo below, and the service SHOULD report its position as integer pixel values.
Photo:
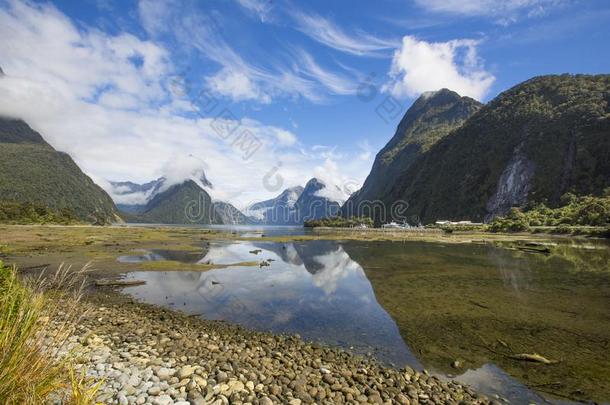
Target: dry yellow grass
(31, 338)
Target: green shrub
(339, 222)
(29, 213)
(575, 211)
(515, 221)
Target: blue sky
(138, 89)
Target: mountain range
(188, 202)
(451, 157)
(536, 141)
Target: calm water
(246, 231)
(313, 289)
(373, 298)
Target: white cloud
(119, 196)
(326, 32)
(338, 186)
(284, 137)
(335, 83)
(153, 15)
(366, 151)
(178, 167)
(506, 10)
(118, 100)
(336, 266)
(260, 84)
(237, 85)
(326, 152)
(62, 61)
(260, 8)
(104, 99)
(237, 78)
(420, 66)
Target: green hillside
(185, 203)
(31, 171)
(533, 143)
(431, 117)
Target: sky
(262, 95)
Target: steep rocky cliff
(431, 117)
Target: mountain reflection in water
(314, 289)
(449, 302)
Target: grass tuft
(83, 390)
(36, 318)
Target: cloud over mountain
(122, 117)
(420, 66)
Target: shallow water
(419, 304)
(313, 289)
(244, 231)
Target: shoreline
(331, 233)
(67, 243)
(431, 235)
(149, 354)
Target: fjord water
(418, 304)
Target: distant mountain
(230, 215)
(533, 143)
(431, 117)
(312, 204)
(184, 203)
(189, 203)
(279, 210)
(131, 208)
(128, 187)
(296, 205)
(32, 171)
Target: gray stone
(164, 373)
(265, 401)
(162, 400)
(185, 372)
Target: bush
(339, 222)
(515, 221)
(28, 213)
(575, 211)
